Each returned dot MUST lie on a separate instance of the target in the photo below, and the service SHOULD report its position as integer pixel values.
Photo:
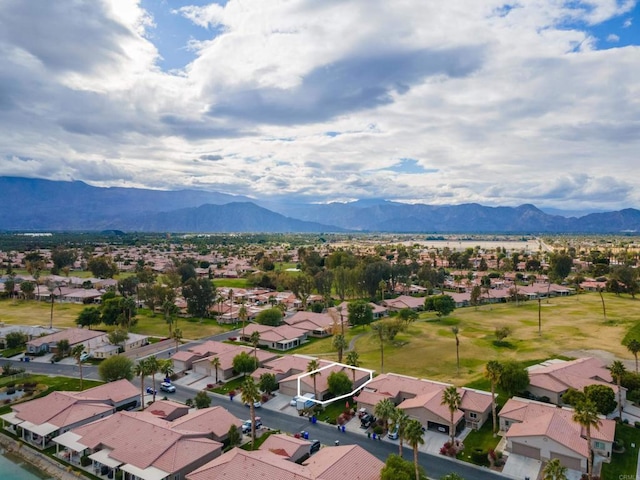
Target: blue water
(14, 468)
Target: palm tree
(340, 344)
(141, 370)
(634, 347)
(177, 336)
(399, 419)
(255, 340)
(617, 370)
(352, 359)
(586, 414)
(384, 410)
(215, 363)
(166, 368)
(312, 367)
(153, 364)
(554, 470)
(452, 399)
(76, 352)
(492, 372)
(250, 395)
(414, 436)
(170, 310)
(242, 313)
(455, 332)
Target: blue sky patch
(410, 165)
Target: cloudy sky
(439, 102)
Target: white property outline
(346, 395)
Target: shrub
(85, 461)
(636, 424)
(479, 456)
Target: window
(473, 415)
(599, 445)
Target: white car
(84, 356)
(294, 401)
(167, 387)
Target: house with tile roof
(421, 399)
(330, 463)
(283, 337)
(41, 419)
(542, 431)
(404, 301)
(292, 448)
(74, 336)
(554, 377)
(139, 444)
(315, 324)
(225, 353)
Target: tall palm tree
(634, 347)
(455, 331)
(414, 436)
(399, 419)
(586, 414)
(452, 399)
(215, 363)
(254, 339)
(153, 364)
(242, 313)
(492, 372)
(170, 310)
(340, 344)
(141, 370)
(311, 367)
(352, 359)
(384, 410)
(554, 470)
(177, 336)
(617, 370)
(250, 395)
(76, 353)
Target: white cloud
(613, 38)
(499, 105)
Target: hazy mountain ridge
(33, 204)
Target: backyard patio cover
(149, 473)
(102, 456)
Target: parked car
(294, 401)
(255, 404)
(367, 420)
(85, 356)
(246, 426)
(315, 446)
(393, 434)
(167, 387)
(151, 391)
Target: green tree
(384, 410)
(586, 415)
(215, 364)
(63, 348)
(115, 368)
(270, 316)
(414, 437)
(141, 370)
(407, 315)
(443, 305)
(234, 436)
(61, 258)
(254, 339)
(88, 317)
(244, 363)
(633, 346)
(268, 383)
(250, 395)
(397, 468)
(199, 294)
(451, 399)
(177, 336)
(554, 470)
(475, 298)
(492, 372)
(502, 333)
(202, 400)
(27, 288)
(102, 267)
(170, 310)
(118, 337)
(153, 364)
(353, 360)
(514, 378)
(76, 353)
(312, 366)
(339, 383)
(166, 368)
(602, 396)
(339, 343)
(618, 370)
(360, 313)
(15, 340)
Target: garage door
(438, 427)
(526, 450)
(567, 461)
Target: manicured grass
(31, 312)
(192, 328)
(482, 439)
(231, 282)
(333, 410)
(623, 465)
(230, 385)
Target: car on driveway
(167, 387)
(246, 426)
(367, 420)
(315, 446)
(393, 434)
(85, 356)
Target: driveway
(519, 466)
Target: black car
(315, 446)
(367, 420)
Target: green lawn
(623, 465)
(482, 439)
(231, 282)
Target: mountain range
(36, 205)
